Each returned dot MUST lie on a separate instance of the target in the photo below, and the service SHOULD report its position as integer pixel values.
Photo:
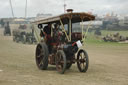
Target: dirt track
(108, 66)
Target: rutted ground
(108, 66)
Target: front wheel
(60, 61)
(82, 61)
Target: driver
(56, 31)
(47, 35)
(47, 30)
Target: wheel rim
(82, 61)
(60, 62)
(39, 56)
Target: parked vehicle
(24, 34)
(7, 30)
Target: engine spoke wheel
(60, 62)
(42, 56)
(83, 61)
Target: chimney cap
(69, 10)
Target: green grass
(97, 40)
(123, 33)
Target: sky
(55, 7)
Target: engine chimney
(69, 10)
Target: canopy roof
(75, 17)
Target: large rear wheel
(60, 61)
(82, 61)
(42, 56)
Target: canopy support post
(88, 28)
(70, 33)
(35, 33)
(82, 29)
(64, 30)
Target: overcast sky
(56, 7)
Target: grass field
(123, 33)
(108, 65)
(92, 39)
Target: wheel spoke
(85, 59)
(80, 55)
(41, 62)
(40, 55)
(83, 65)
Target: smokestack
(69, 10)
